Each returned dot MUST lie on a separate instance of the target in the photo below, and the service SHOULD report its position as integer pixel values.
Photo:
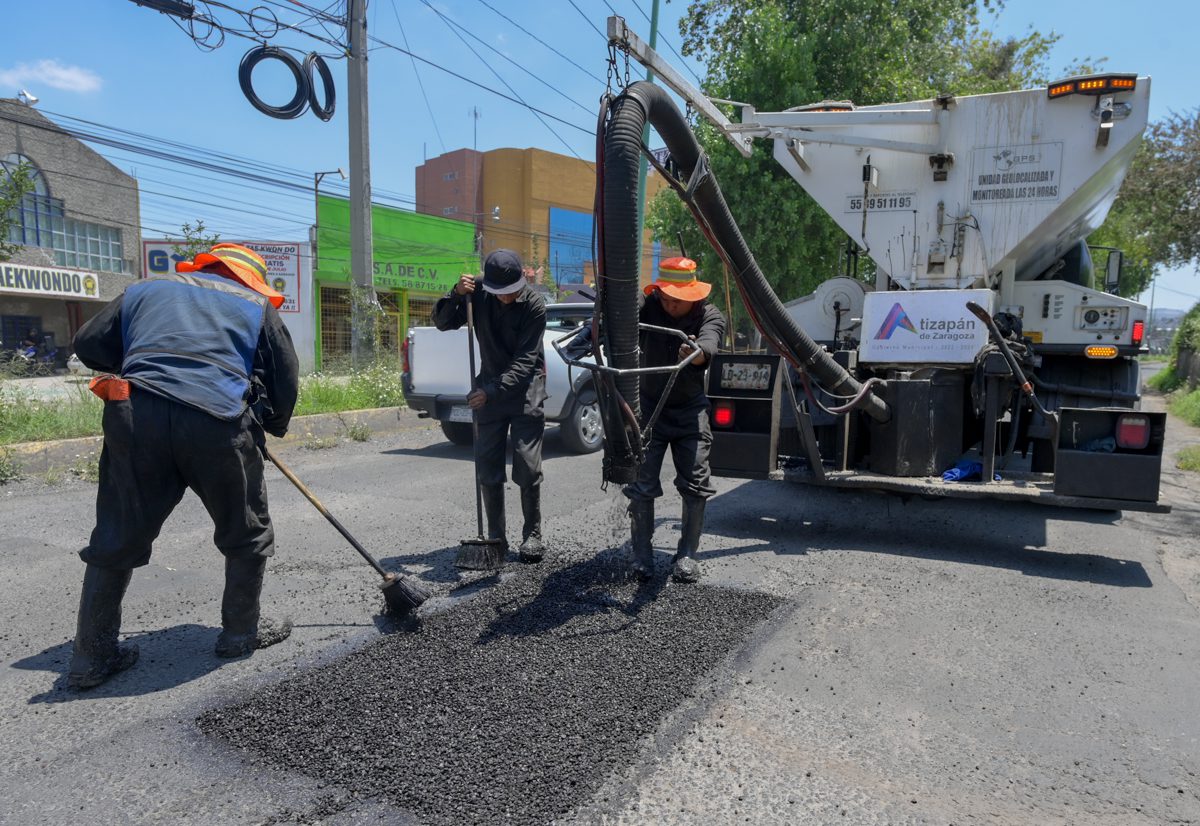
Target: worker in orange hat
(205, 366)
(677, 300)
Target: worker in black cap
(510, 320)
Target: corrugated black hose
(641, 102)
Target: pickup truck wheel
(582, 431)
(458, 432)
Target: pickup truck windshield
(566, 317)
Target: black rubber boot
(493, 509)
(686, 568)
(641, 536)
(532, 547)
(242, 629)
(96, 655)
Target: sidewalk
(41, 457)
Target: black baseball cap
(503, 273)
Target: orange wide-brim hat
(237, 263)
(677, 278)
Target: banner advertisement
(923, 327)
(282, 259)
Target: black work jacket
(705, 322)
(512, 370)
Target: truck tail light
(1139, 330)
(405, 365)
(723, 413)
(1133, 431)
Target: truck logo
(1006, 159)
(896, 319)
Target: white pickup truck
(437, 379)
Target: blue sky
(118, 64)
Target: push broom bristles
(481, 554)
(404, 594)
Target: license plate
(745, 376)
(461, 413)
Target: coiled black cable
(299, 103)
(324, 112)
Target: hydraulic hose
(642, 102)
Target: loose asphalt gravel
(511, 708)
(931, 663)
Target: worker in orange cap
(204, 367)
(677, 300)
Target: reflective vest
(192, 338)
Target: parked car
(436, 381)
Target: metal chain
(612, 69)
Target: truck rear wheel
(458, 432)
(582, 431)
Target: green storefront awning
(412, 251)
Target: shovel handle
(316, 503)
(474, 417)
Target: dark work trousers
(686, 431)
(527, 450)
(154, 449)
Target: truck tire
(581, 430)
(458, 432)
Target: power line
(543, 42)
(487, 45)
(420, 84)
(507, 85)
(482, 86)
(595, 28)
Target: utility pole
(641, 196)
(475, 117)
(361, 258)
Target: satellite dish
(27, 98)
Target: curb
(41, 457)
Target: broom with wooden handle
(402, 592)
(479, 553)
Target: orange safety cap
(238, 263)
(677, 278)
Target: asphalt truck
(990, 342)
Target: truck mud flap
(744, 390)
(1109, 453)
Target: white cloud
(48, 73)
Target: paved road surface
(933, 663)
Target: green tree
(196, 239)
(780, 53)
(17, 182)
(1156, 218)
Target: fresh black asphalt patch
(513, 707)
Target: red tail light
(404, 363)
(1133, 431)
(723, 414)
(1139, 330)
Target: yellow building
(536, 202)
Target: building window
(450, 176)
(40, 222)
(35, 216)
(88, 246)
(450, 210)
